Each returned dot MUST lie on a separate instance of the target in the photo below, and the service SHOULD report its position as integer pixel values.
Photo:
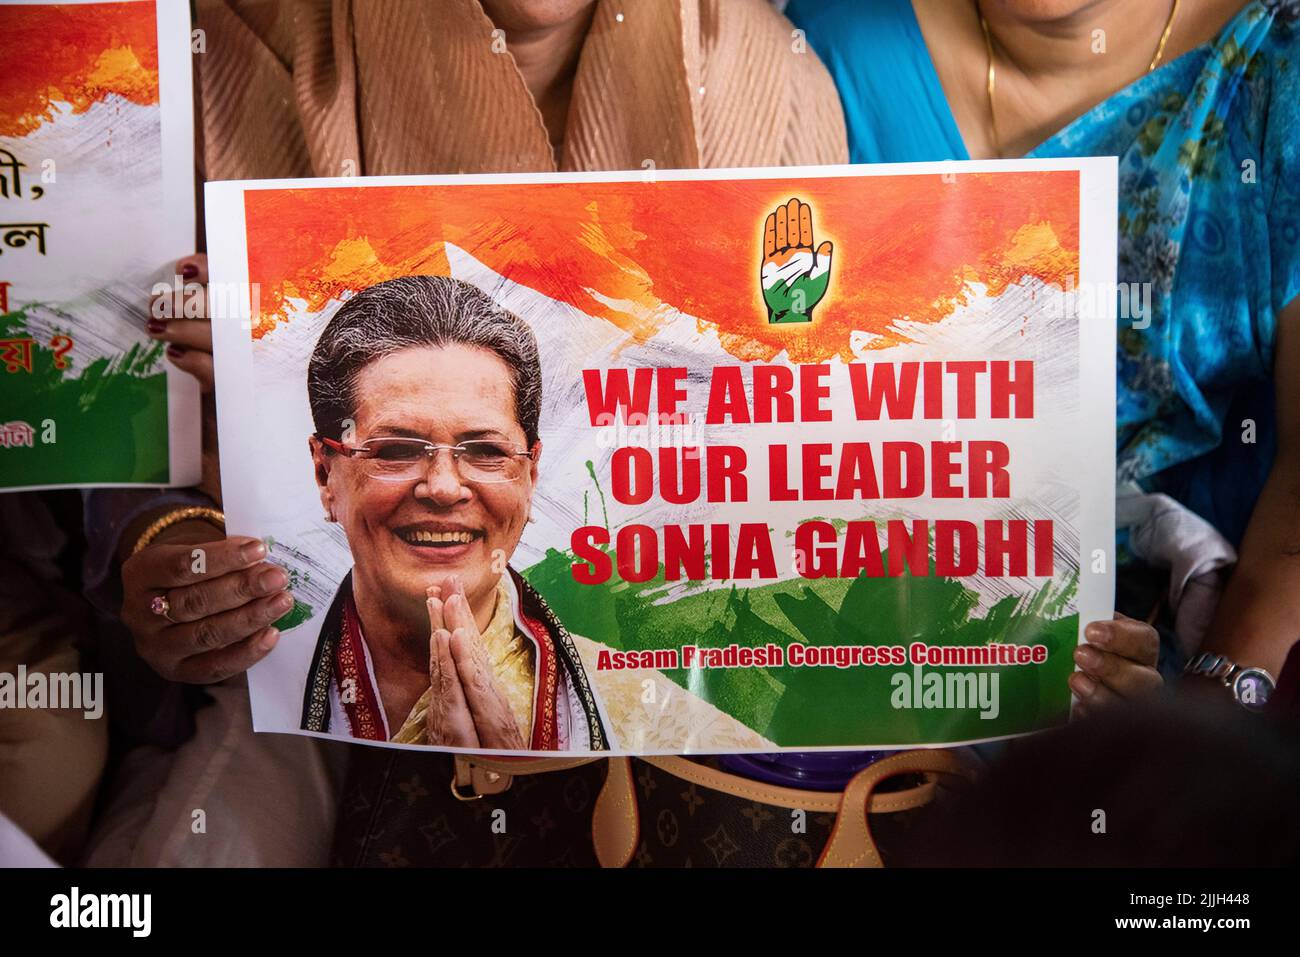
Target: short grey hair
(414, 311)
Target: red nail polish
(189, 271)
(156, 327)
(175, 351)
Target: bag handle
(616, 819)
(475, 777)
(850, 843)
(514, 767)
(615, 822)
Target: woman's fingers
(172, 650)
(189, 302)
(493, 719)
(1123, 676)
(1093, 696)
(186, 333)
(230, 591)
(187, 298)
(214, 666)
(433, 601)
(457, 611)
(179, 316)
(161, 567)
(193, 268)
(224, 629)
(1118, 661)
(435, 717)
(448, 721)
(196, 362)
(217, 596)
(1126, 637)
(472, 712)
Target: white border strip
(176, 102)
(1098, 199)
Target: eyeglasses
(483, 462)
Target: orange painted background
(77, 54)
(905, 247)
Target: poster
(675, 462)
(96, 206)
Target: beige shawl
(335, 87)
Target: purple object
(812, 770)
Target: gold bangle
(210, 515)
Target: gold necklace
(992, 73)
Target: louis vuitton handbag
(407, 809)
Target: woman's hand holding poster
(695, 462)
(96, 203)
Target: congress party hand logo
(795, 276)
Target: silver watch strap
(1214, 666)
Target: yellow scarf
(512, 656)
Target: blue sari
(1209, 215)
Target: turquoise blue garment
(1209, 163)
(1221, 254)
(894, 105)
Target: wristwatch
(1250, 687)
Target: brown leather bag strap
(796, 799)
(517, 767)
(616, 820)
(745, 788)
(477, 776)
(615, 823)
(850, 843)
